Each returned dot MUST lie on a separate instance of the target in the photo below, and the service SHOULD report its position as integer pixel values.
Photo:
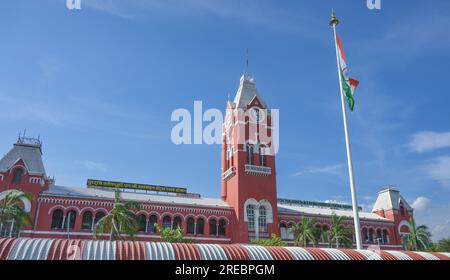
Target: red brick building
(248, 207)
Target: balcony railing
(258, 170)
(227, 175)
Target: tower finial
(334, 21)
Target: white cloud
(336, 170)
(439, 169)
(437, 218)
(421, 203)
(92, 165)
(425, 141)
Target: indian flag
(348, 84)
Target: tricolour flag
(348, 84)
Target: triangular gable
(255, 102)
(20, 162)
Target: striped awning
(62, 249)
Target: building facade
(248, 207)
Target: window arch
(283, 231)
(69, 222)
(379, 236)
(385, 236)
(167, 222)
(17, 175)
(290, 232)
(222, 227)
(190, 225)
(176, 222)
(151, 223)
(57, 219)
(262, 219)
(200, 226)
(87, 220)
(212, 227)
(251, 217)
(371, 235)
(365, 235)
(98, 217)
(141, 222)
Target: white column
(256, 223)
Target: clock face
(257, 114)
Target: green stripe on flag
(348, 91)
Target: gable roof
(31, 156)
(390, 198)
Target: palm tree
(120, 222)
(305, 232)
(338, 233)
(11, 210)
(419, 238)
(443, 245)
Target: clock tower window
(249, 149)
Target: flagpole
(334, 21)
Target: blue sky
(99, 85)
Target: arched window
(371, 234)
(152, 221)
(262, 219)
(141, 221)
(290, 233)
(283, 231)
(365, 235)
(70, 220)
(212, 227)
(17, 176)
(200, 226)
(379, 236)
(262, 157)
(251, 217)
(176, 222)
(385, 236)
(222, 226)
(325, 233)
(190, 225)
(167, 222)
(86, 221)
(57, 219)
(249, 154)
(98, 217)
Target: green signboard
(121, 185)
(316, 204)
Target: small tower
(248, 164)
(22, 169)
(391, 205)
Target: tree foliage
(274, 240)
(120, 222)
(11, 208)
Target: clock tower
(248, 164)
